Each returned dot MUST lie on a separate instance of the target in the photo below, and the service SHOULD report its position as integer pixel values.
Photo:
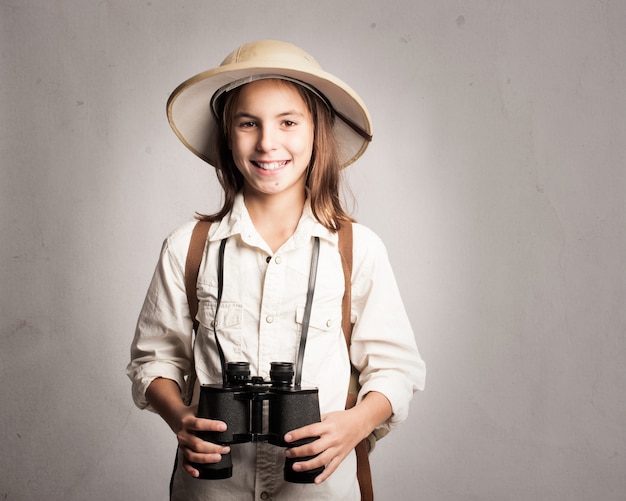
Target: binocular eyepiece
(239, 402)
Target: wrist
(165, 398)
(373, 410)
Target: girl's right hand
(194, 449)
(164, 396)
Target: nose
(266, 140)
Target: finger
(202, 424)
(203, 447)
(192, 467)
(309, 431)
(310, 449)
(191, 470)
(328, 471)
(313, 463)
(196, 444)
(189, 441)
(192, 456)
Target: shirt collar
(238, 222)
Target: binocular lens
(281, 373)
(237, 372)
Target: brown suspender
(363, 471)
(192, 267)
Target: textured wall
(496, 178)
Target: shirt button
(269, 319)
(265, 495)
(329, 323)
(277, 259)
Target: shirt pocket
(325, 352)
(228, 325)
(324, 326)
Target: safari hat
(193, 107)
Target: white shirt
(259, 321)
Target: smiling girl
(278, 130)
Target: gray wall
(496, 179)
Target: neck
(275, 218)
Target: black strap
(307, 312)
(220, 289)
(305, 319)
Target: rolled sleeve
(162, 346)
(383, 344)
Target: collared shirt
(259, 321)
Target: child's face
(271, 138)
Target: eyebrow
(289, 113)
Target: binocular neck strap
(220, 289)
(307, 312)
(305, 319)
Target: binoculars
(239, 402)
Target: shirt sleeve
(383, 344)
(162, 346)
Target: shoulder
(367, 246)
(177, 242)
(365, 239)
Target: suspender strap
(197, 243)
(363, 470)
(192, 266)
(345, 250)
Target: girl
(278, 130)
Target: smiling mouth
(269, 166)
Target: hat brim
(190, 116)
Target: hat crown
(271, 54)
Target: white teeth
(270, 165)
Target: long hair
(324, 169)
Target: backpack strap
(363, 470)
(192, 268)
(345, 251)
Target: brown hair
(324, 170)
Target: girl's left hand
(339, 433)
